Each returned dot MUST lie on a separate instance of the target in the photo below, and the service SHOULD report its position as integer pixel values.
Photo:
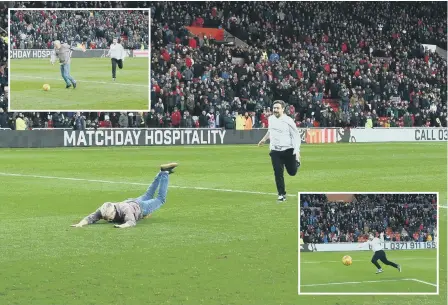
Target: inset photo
(75, 59)
(368, 244)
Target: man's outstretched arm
(297, 140)
(265, 138)
(73, 47)
(361, 245)
(92, 218)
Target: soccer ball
(46, 87)
(347, 260)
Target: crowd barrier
(391, 245)
(207, 136)
(96, 53)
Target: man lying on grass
(125, 214)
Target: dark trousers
(280, 160)
(116, 62)
(381, 255)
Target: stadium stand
(402, 217)
(357, 64)
(3, 52)
(94, 30)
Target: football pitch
(95, 88)
(221, 238)
(419, 273)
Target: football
(347, 260)
(46, 87)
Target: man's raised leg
(150, 205)
(149, 194)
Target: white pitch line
(83, 81)
(423, 282)
(401, 259)
(139, 183)
(146, 184)
(343, 283)
(361, 282)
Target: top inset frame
(87, 35)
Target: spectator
(247, 121)
(123, 120)
(203, 120)
(176, 118)
(93, 29)
(79, 121)
(139, 121)
(229, 121)
(3, 119)
(36, 121)
(131, 118)
(20, 123)
(151, 119)
(187, 120)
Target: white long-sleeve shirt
(283, 134)
(376, 244)
(116, 51)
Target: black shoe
(169, 167)
(74, 85)
(281, 198)
(67, 86)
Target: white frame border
(366, 293)
(79, 9)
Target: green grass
(324, 273)
(203, 246)
(95, 91)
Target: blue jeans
(147, 202)
(65, 72)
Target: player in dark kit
(378, 253)
(284, 146)
(117, 54)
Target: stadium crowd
(92, 29)
(152, 119)
(358, 64)
(86, 120)
(401, 217)
(3, 49)
(351, 64)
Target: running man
(125, 214)
(284, 146)
(62, 51)
(116, 53)
(376, 245)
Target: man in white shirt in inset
(284, 146)
(376, 245)
(116, 53)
